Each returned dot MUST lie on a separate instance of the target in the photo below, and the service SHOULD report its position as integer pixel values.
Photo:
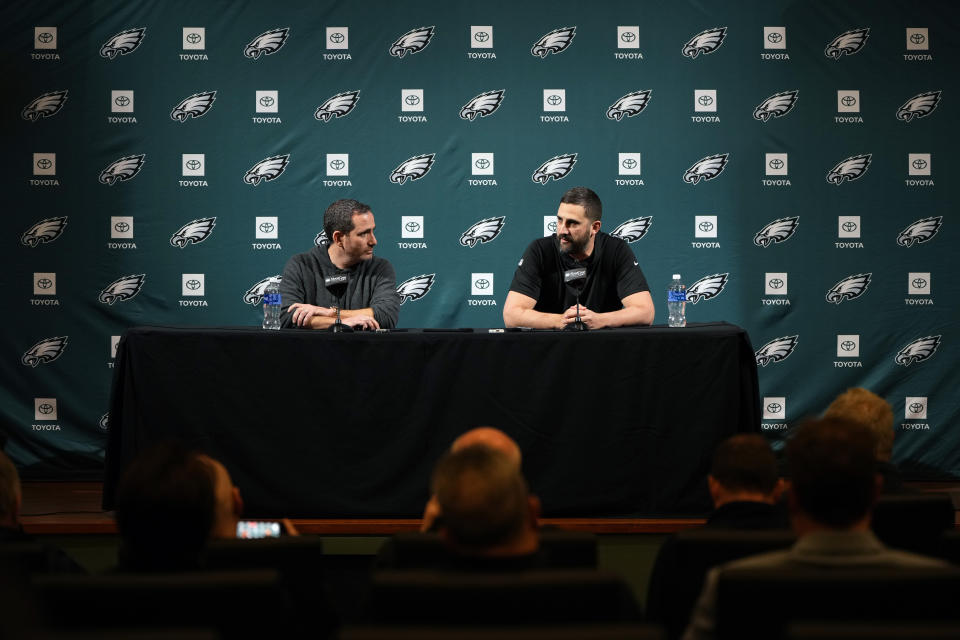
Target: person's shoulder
(761, 560)
(909, 559)
(611, 244)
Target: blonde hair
(867, 408)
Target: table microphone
(337, 286)
(575, 279)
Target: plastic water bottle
(271, 304)
(677, 302)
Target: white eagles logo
(47, 230)
(920, 231)
(482, 105)
(105, 421)
(413, 168)
(704, 42)
(194, 232)
(267, 169)
(633, 229)
(776, 106)
(707, 287)
(849, 288)
(254, 294)
(852, 168)
(416, 287)
(482, 232)
(337, 106)
(629, 105)
(413, 41)
(706, 168)
(122, 289)
(193, 106)
(917, 351)
(44, 351)
(780, 230)
(556, 167)
(123, 43)
(554, 42)
(776, 350)
(920, 105)
(44, 106)
(266, 43)
(321, 239)
(123, 169)
(848, 42)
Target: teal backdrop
(819, 218)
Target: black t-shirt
(612, 274)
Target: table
(314, 424)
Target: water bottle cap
(676, 276)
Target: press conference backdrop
(794, 161)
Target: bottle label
(271, 298)
(677, 296)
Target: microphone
(576, 279)
(337, 286)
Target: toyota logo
(705, 226)
(774, 37)
(337, 164)
(482, 283)
(849, 226)
(412, 227)
(775, 283)
(629, 163)
(482, 163)
(554, 100)
(267, 101)
(44, 283)
(193, 284)
(412, 100)
(121, 227)
(776, 163)
(919, 164)
(43, 163)
(552, 227)
(917, 38)
(193, 38)
(848, 345)
(266, 227)
(919, 283)
(45, 37)
(337, 37)
(916, 407)
(706, 101)
(481, 36)
(848, 101)
(774, 407)
(193, 164)
(628, 36)
(46, 408)
(122, 101)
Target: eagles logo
(254, 295)
(920, 106)
(337, 106)
(47, 230)
(920, 231)
(629, 105)
(126, 168)
(44, 351)
(44, 106)
(776, 350)
(321, 239)
(633, 229)
(852, 168)
(705, 42)
(707, 287)
(917, 351)
(413, 168)
(416, 287)
(554, 42)
(193, 106)
(706, 168)
(482, 232)
(194, 232)
(122, 289)
(556, 167)
(123, 43)
(780, 230)
(413, 41)
(848, 42)
(105, 421)
(482, 105)
(849, 288)
(267, 169)
(776, 106)
(266, 43)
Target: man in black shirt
(615, 294)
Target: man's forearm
(322, 322)
(628, 316)
(533, 319)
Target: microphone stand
(339, 289)
(578, 324)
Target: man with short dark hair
(370, 300)
(615, 293)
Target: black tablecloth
(313, 424)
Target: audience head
(863, 406)
(485, 504)
(10, 496)
(491, 437)
(744, 469)
(833, 473)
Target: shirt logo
(266, 43)
(849, 288)
(706, 168)
(44, 351)
(44, 106)
(337, 106)
(554, 42)
(917, 351)
(920, 231)
(920, 106)
(707, 287)
(482, 232)
(194, 232)
(776, 106)
(633, 229)
(556, 167)
(254, 295)
(777, 350)
(123, 43)
(413, 168)
(47, 230)
(482, 105)
(267, 169)
(321, 239)
(413, 41)
(852, 168)
(416, 287)
(629, 105)
(193, 106)
(122, 289)
(780, 230)
(848, 42)
(126, 168)
(705, 42)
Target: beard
(575, 246)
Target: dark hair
(482, 496)
(832, 467)
(586, 198)
(745, 462)
(339, 216)
(165, 509)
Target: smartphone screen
(250, 529)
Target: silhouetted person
(861, 405)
